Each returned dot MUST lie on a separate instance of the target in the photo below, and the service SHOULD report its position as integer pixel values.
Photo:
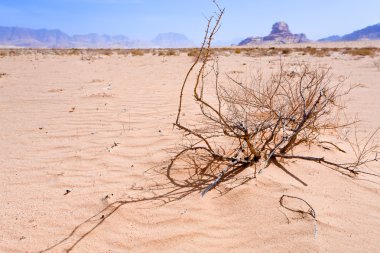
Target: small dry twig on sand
(310, 212)
(252, 124)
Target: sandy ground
(78, 135)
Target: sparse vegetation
(74, 51)
(137, 52)
(286, 51)
(317, 52)
(168, 52)
(172, 52)
(366, 51)
(106, 51)
(193, 52)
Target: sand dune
(78, 135)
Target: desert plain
(82, 131)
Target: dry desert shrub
(172, 52)
(317, 52)
(198, 53)
(272, 51)
(193, 52)
(72, 51)
(137, 52)
(122, 52)
(286, 51)
(168, 52)
(252, 124)
(366, 51)
(105, 51)
(60, 51)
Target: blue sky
(144, 19)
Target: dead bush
(252, 124)
(168, 52)
(172, 52)
(286, 51)
(137, 52)
(366, 51)
(105, 51)
(193, 52)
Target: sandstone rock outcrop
(280, 34)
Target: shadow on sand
(185, 175)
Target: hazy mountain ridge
(368, 33)
(44, 38)
(172, 40)
(23, 37)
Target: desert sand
(79, 135)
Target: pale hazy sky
(144, 19)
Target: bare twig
(310, 212)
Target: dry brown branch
(283, 203)
(310, 212)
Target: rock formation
(280, 34)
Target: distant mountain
(43, 38)
(172, 40)
(369, 33)
(332, 38)
(94, 40)
(280, 34)
(24, 37)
